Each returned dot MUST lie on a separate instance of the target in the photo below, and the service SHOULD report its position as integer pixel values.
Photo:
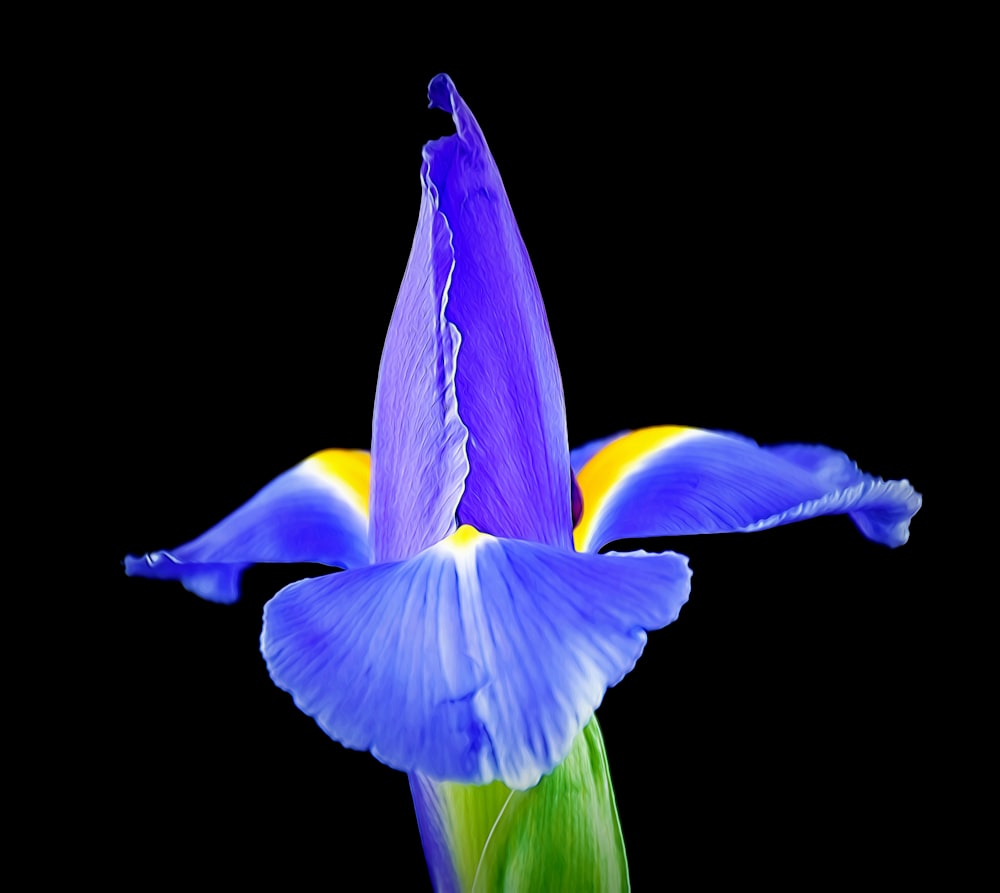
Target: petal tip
(442, 93)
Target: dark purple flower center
(577, 499)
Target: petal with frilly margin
(479, 659)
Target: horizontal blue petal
(316, 512)
(671, 481)
(479, 659)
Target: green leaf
(561, 835)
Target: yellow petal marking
(612, 464)
(350, 470)
(465, 536)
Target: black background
(741, 236)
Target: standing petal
(418, 440)
(509, 389)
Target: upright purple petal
(510, 395)
(418, 440)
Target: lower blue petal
(479, 659)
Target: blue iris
(477, 621)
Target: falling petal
(671, 481)
(316, 512)
(479, 659)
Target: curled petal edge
(677, 481)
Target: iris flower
(477, 619)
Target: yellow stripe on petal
(348, 471)
(611, 465)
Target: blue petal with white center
(479, 659)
